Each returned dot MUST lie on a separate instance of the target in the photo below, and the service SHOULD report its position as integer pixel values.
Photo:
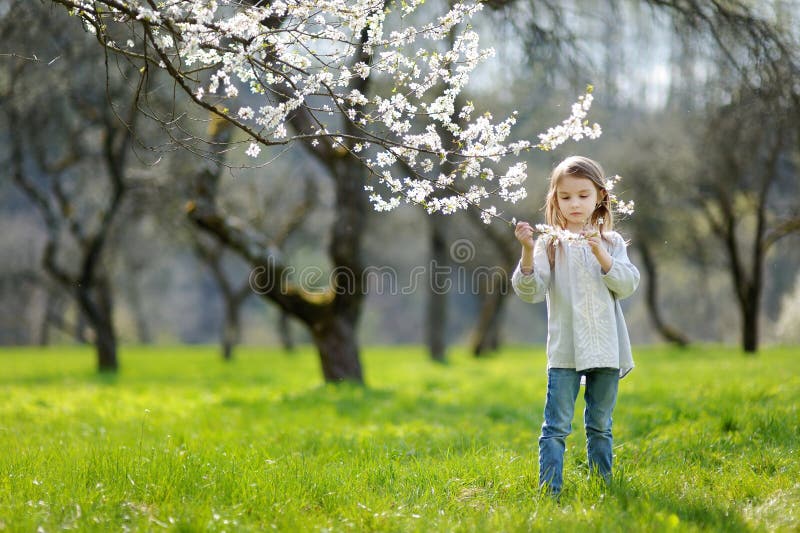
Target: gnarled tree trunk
(331, 315)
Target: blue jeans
(559, 408)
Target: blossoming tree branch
(264, 65)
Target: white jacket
(585, 326)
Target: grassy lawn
(706, 439)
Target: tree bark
(335, 335)
(750, 327)
(96, 304)
(106, 346)
(487, 336)
(231, 330)
(667, 332)
(335, 339)
(285, 331)
(436, 323)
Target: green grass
(706, 439)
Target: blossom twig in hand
(560, 234)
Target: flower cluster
(622, 207)
(575, 127)
(264, 64)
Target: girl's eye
(584, 196)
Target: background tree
(750, 151)
(660, 73)
(743, 41)
(60, 135)
(273, 218)
(254, 51)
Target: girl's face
(577, 198)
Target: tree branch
(785, 228)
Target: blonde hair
(579, 167)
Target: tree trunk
(669, 333)
(53, 309)
(231, 331)
(106, 345)
(285, 331)
(334, 331)
(436, 323)
(95, 305)
(143, 334)
(335, 339)
(750, 313)
(487, 331)
(750, 331)
(331, 316)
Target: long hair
(579, 167)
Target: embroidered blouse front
(585, 327)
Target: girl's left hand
(594, 243)
(599, 251)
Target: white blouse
(585, 326)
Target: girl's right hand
(524, 234)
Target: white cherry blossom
(260, 65)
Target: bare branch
(785, 228)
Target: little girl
(586, 332)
